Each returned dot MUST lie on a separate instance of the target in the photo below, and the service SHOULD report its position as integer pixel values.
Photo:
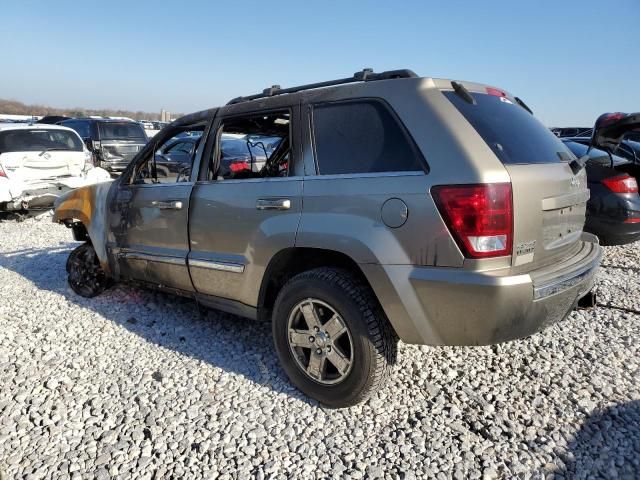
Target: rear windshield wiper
(575, 164)
(463, 93)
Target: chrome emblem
(575, 182)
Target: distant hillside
(13, 107)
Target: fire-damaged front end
(84, 210)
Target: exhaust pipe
(587, 301)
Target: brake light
(495, 92)
(2, 174)
(480, 217)
(632, 220)
(621, 184)
(238, 166)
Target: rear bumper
(608, 216)
(613, 232)
(38, 196)
(438, 306)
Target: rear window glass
(362, 137)
(81, 127)
(121, 131)
(26, 140)
(514, 135)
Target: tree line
(13, 107)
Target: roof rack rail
(366, 75)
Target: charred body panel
(88, 206)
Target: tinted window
(180, 147)
(362, 137)
(25, 140)
(81, 127)
(121, 131)
(514, 135)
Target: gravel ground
(137, 384)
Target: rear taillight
(2, 174)
(621, 184)
(495, 92)
(238, 166)
(479, 217)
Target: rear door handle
(173, 205)
(273, 204)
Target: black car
(113, 143)
(174, 158)
(628, 149)
(53, 119)
(613, 210)
(571, 131)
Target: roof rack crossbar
(366, 75)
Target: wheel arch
(84, 210)
(294, 260)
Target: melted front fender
(87, 205)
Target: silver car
(391, 207)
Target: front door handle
(173, 205)
(273, 204)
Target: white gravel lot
(137, 384)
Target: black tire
(373, 343)
(85, 275)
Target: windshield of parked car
(514, 135)
(32, 140)
(122, 131)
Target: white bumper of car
(38, 194)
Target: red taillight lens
(495, 92)
(238, 166)
(621, 184)
(2, 174)
(479, 217)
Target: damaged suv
(112, 142)
(386, 206)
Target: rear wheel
(332, 338)
(86, 276)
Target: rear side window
(362, 137)
(81, 127)
(514, 135)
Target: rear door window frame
(397, 120)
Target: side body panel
(149, 228)
(232, 236)
(232, 241)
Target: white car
(40, 162)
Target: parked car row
(330, 210)
(613, 209)
(40, 162)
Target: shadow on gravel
(606, 446)
(231, 343)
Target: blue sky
(569, 60)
